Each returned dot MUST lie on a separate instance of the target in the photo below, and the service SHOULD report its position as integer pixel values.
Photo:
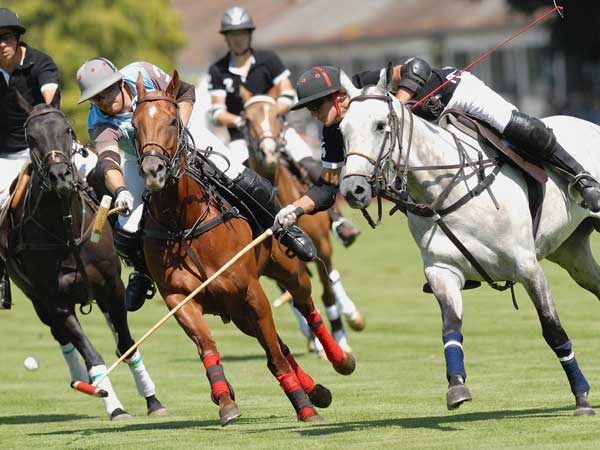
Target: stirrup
(574, 192)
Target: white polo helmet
(94, 76)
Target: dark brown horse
(189, 233)
(51, 259)
(266, 150)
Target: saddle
(536, 176)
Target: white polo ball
(31, 363)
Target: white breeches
(296, 147)
(474, 97)
(11, 165)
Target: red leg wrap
(305, 380)
(333, 351)
(295, 393)
(216, 376)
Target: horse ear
(245, 94)
(139, 85)
(55, 103)
(386, 78)
(348, 86)
(173, 87)
(24, 104)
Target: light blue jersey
(123, 121)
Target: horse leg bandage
(143, 382)
(566, 356)
(305, 380)
(333, 351)
(344, 303)
(76, 369)
(453, 352)
(295, 393)
(216, 377)
(111, 402)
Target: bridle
(42, 164)
(384, 180)
(255, 142)
(173, 163)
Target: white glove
(124, 200)
(239, 123)
(286, 217)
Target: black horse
(51, 259)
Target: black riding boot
(140, 286)
(538, 140)
(5, 294)
(259, 195)
(344, 230)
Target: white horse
(495, 227)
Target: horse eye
(174, 122)
(380, 126)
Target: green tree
(72, 31)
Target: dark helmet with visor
(9, 19)
(236, 18)
(316, 83)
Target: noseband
(174, 168)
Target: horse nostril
(359, 190)
(161, 168)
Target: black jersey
(38, 69)
(266, 71)
(332, 144)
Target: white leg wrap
(318, 346)
(76, 369)
(332, 312)
(143, 382)
(111, 402)
(304, 328)
(344, 303)
(340, 338)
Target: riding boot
(5, 294)
(539, 141)
(140, 286)
(259, 195)
(344, 230)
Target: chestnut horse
(52, 260)
(266, 145)
(190, 232)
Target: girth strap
(191, 233)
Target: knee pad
(531, 134)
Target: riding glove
(286, 217)
(124, 200)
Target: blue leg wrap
(454, 354)
(567, 359)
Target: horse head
(371, 135)
(264, 129)
(50, 140)
(158, 132)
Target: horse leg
(266, 334)
(536, 285)
(297, 283)
(63, 337)
(116, 317)
(446, 286)
(318, 394)
(95, 364)
(191, 319)
(355, 318)
(575, 256)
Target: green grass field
(395, 399)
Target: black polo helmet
(9, 19)
(316, 83)
(236, 18)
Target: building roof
(286, 23)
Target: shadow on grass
(37, 418)
(438, 423)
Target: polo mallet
(284, 298)
(95, 391)
(101, 216)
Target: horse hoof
(322, 355)
(120, 415)
(159, 412)
(587, 411)
(347, 365)
(357, 322)
(320, 396)
(313, 418)
(228, 414)
(457, 395)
